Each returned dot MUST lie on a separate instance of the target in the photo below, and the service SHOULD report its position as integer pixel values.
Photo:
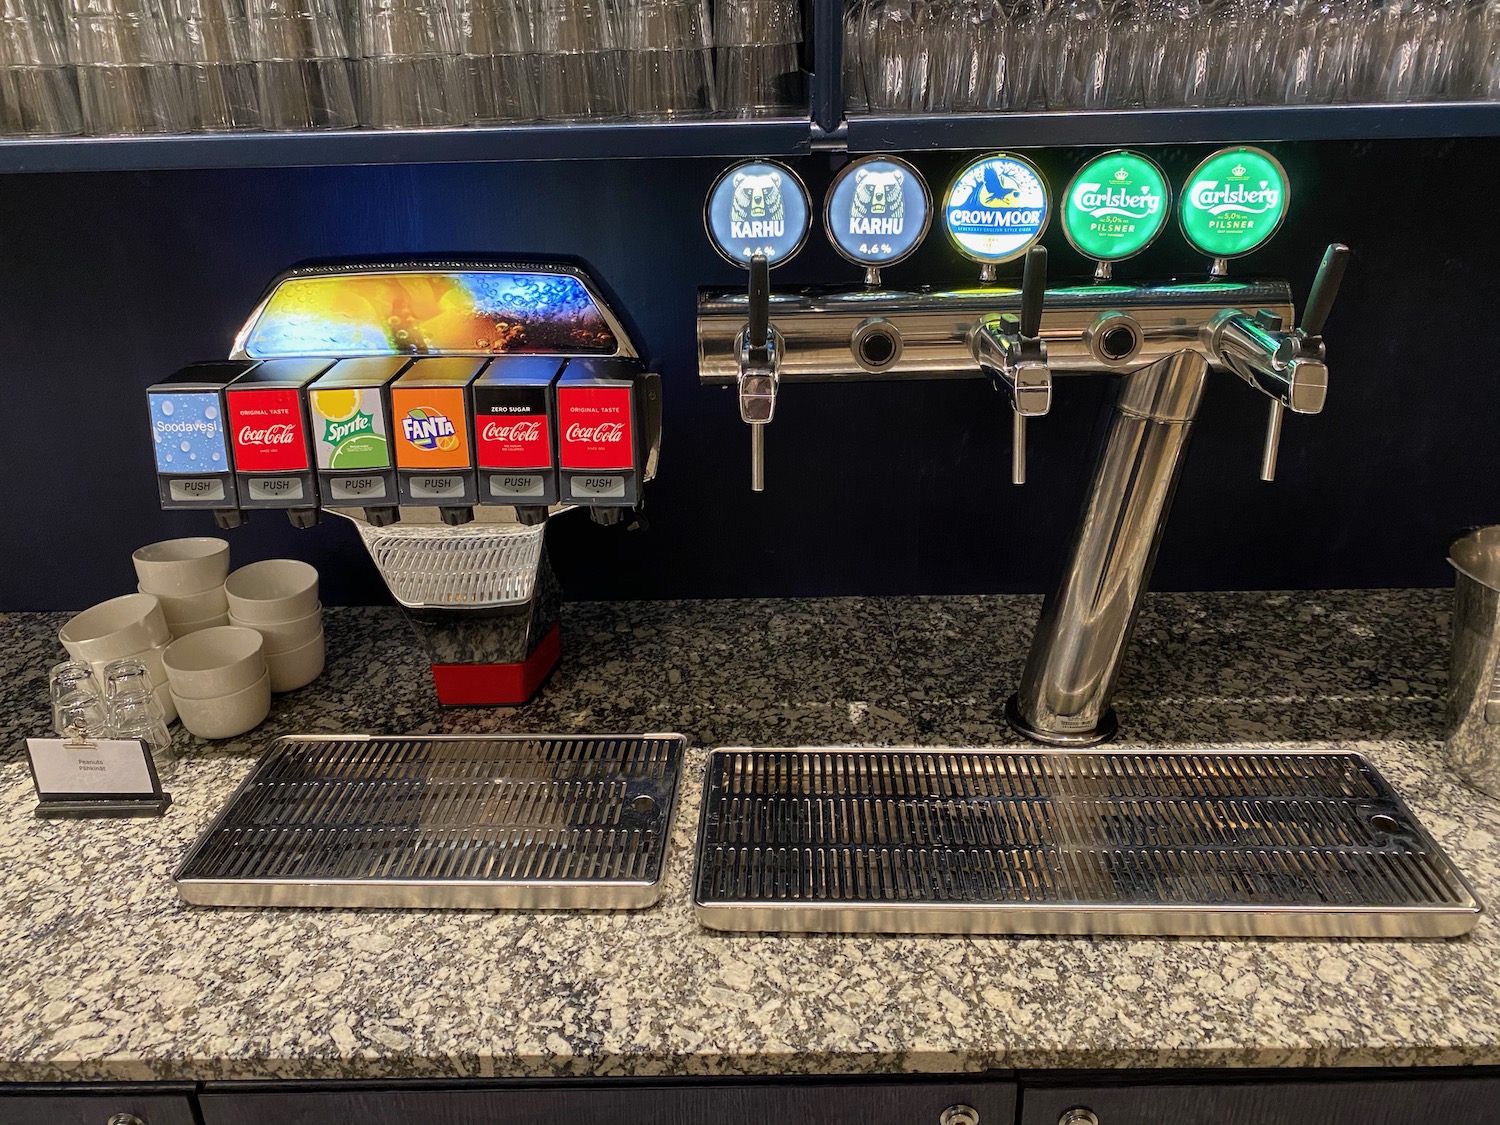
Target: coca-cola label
(511, 427)
(268, 432)
(593, 425)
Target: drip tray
(489, 822)
(1039, 841)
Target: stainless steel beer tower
(1161, 340)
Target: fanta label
(431, 430)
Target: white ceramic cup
(163, 697)
(272, 591)
(181, 567)
(192, 607)
(225, 716)
(214, 662)
(283, 636)
(183, 628)
(296, 667)
(119, 627)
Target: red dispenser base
(471, 685)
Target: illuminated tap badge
(997, 208)
(878, 211)
(1234, 202)
(1116, 206)
(758, 208)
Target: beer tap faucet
(759, 347)
(1011, 352)
(1289, 368)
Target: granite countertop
(108, 976)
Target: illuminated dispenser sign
(1233, 202)
(269, 429)
(514, 432)
(190, 437)
(598, 432)
(997, 208)
(758, 209)
(878, 211)
(349, 412)
(430, 426)
(1116, 206)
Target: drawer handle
(124, 1119)
(1078, 1115)
(959, 1115)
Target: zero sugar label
(1116, 206)
(997, 208)
(1233, 202)
(878, 211)
(758, 208)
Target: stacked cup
(129, 626)
(187, 577)
(219, 681)
(278, 599)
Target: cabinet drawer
(93, 1109)
(1446, 1101)
(906, 1103)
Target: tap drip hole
(877, 349)
(1118, 342)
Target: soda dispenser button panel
(877, 212)
(349, 409)
(196, 490)
(434, 446)
(996, 209)
(190, 438)
(507, 488)
(599, 405)
(268, 421)
(515, 429)
(354, 490)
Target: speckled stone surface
(107, 976)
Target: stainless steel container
(1473, 728)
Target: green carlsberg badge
(1234, 201)
(1115, 206)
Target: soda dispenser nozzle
(759, 367)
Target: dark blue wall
(111, 281)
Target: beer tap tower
(1160, 340)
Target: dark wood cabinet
(1394, 1101)
(601, 1103)
(48, 1108)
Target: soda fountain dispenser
(422, 402)
(1160, 340)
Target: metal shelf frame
(824, 128)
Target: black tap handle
(760, 302)
(1033, 290)
(1325, 288)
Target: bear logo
(757, 196)
(879, 206)
(757, 209)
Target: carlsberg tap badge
(1115, 206)
(1234, 201)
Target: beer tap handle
(1325, 288)
(760, 303)
(1033, 292)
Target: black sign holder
(53, 806)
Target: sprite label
(349, 428)
(1116, 206)
(1234, 202)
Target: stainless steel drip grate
(1067, 842)
(478, 822)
